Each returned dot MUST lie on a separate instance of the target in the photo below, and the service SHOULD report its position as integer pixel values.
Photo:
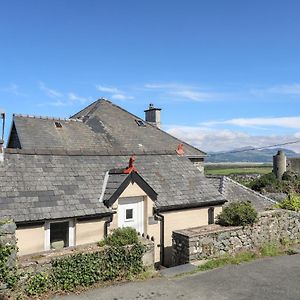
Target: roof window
(140, 123)
(58, 125)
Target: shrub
(85, 269)
(265, 181)
(8, 274)
(38, 284)
(121, 237)
(292, 202)
(237, 214)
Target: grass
(267, 250)
(238, 171)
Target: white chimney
(152, 115)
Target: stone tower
(279, 164)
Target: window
(140, 123)
(211, 215)
(59, 234)
(129, 214)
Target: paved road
(269, 278)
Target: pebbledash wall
(214, 240)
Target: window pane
(129, 214)
(59, 235)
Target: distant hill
(262, 156)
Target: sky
(225, 73)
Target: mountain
(245, 154)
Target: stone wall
(7, 238)
(214, 240)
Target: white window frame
(71, 239)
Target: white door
(131, 213)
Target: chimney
(152, 115)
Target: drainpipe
(161, 219)
(107, 223)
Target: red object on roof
(131, 167)
(180, 150)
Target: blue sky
(225, 73)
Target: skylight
(58, 125)
(140, 123)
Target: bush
(121, 237)
(265, 181)
(38, 284)
(237, 214)
(85, 269)
(292, 202)
(8, 274)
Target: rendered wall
(30, 239)
(183, 219)
(89, 231)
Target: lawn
(229, 169)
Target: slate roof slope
(234, 191)
(39, 187)
(41, 133)
(120, 127)
(102, 128)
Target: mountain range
(247, 154)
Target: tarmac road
(268, 278)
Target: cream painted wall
(89, 231)
(30, 239)
(182, 219)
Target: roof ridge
(45, 118)
(90, 105)
(248, 189)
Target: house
(68, 182)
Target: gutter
(191, 205)
(107, 224)
(158, 216)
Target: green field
(231, 169)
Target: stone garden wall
(214, 240)
(7, 250)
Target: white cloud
(12, 89)
(210, 140)
(49, 92)
(281, 89)
(285, 122)
(182, 92)
(114, 92)
(107, 89)
(73, 97)
(121, 97)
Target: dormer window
(140, 123)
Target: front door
(131, 213)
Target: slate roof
(234, 191)
(39, 187)
(102, 127)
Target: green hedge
(84, 269)
(8, 275)
(292, 202)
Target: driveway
(269, 278)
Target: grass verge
(267, 250)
